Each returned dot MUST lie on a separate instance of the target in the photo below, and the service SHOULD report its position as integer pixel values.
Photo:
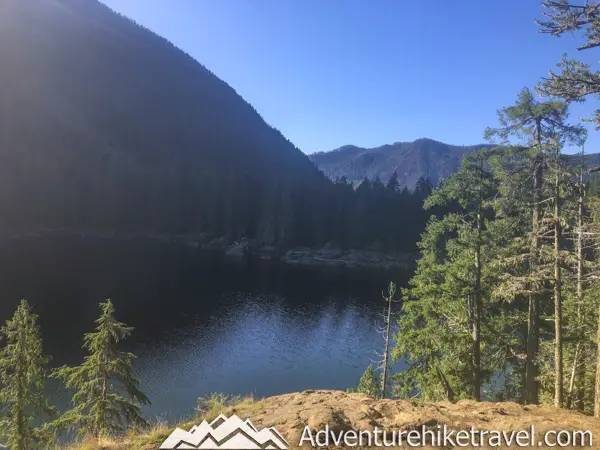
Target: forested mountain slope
(105, 125)
(423, 158)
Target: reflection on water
(201, 325)
(258, 344)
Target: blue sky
(334, 72)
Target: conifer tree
(578, 372)
(369, 383)
(534, 124)
(580, 309)
(22, 364)
(593, 294)
(576, 80)
(440, 336)
(101, 380)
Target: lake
(202, 324)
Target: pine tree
(535, 124)
(99, 406)
(440, 336)
(23, 373)
(369, 383)
(576, 80)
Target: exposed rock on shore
(244, 249)
(350, 259)
(341, 412)
(290, 413)
(327, 256)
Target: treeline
(382, 216)
(305, 210)
(106, 395)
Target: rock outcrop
(290, 413)
(340, 412)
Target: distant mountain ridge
(410, 160)
(424, 157)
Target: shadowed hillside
(106, 125)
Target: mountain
(105, 125)
(425, 158)
(410, 160)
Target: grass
(208, 408)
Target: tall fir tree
(22, 363)
(100, 408)
(535, 125)
(440, 336)
(576, 81)
(369, 383)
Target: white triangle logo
(225, 433)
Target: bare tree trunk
(573, 376)
(531, 371)
(388, 321)
(597, 389)
(449, 392)
(579, 366)
(558, 344)
(531, 383)
(476, 331)
(103, 395)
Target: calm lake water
(202, 324)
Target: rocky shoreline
(324, 257)
(244, 249)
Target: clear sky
(367, 72)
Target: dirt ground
(290, 413)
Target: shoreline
(242, 250)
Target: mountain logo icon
(230, 433)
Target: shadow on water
(202, 324)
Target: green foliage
(214, 404)
(504, 299)
(22, 365)
(369, 383)
(533, 122)
(593, 185)
(575, 80)
(100, 408)
(448, 315)
(376, 215)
